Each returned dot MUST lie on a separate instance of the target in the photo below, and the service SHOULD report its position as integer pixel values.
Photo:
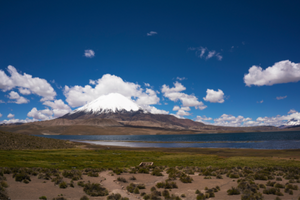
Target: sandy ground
(38, 187)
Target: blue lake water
(256, 140)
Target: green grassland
(81, 158)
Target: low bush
(219, 176)
(72, 174)
(63, 185)
(4, 184)
(271, 191)
(84, 198)
(118, 171)
(95, 189)
(156, 172)
(43, 197)
(233, 191)
(93, 174)
(166, 185)
(234, 175)
(270, 183)
(132, 178)
(122, 179)
(22, 177)
(278, 179)
(80, 183)
(207, 177)
(186, 178)
(278, 185)
(143, 170)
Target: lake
(256, 140)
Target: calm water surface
(267, 140)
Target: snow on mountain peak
(112, 102)
(293, 122)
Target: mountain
(115, 114)
(126, 112)
(292, 123)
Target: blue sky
(187, 58)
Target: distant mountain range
(119, 115)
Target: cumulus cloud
(279, 98)
(183, 111)
(19, 99)
(24, 91)
(79, 96)
(204, 52)
(175, 94)
(230, 120)
(151, 33)
(59, 108)
(281, 72)
(292, 111)
(202, 119)
(147, 84)
(214, 96)
(154, 110)
(40, 114)
(27, 84)
(89, 53)
(12, 121)
(10, 115)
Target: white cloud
(78, 95)
(35, 85)
(40, 114)
(230, 120)
(151, 33)
(10, 115)
(183, 111)
(59, 108)
(260, 101)
(175, 94)
(147, 84)
(175, 108)
(19, 99)
(12, 121)
(202, 51)
(154, 110)
(281, 72)
(214, 96)
(92, 82)
(202, 119)
(0, 115)
(89, 53)
(24, 91)
(292, 111)
(1, 101)
(181, 78)
(279, 98)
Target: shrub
(156, 172)
(278, 185)
(152, 189)
(197, 191)
(219, 176)
(43, 197)
(95, 189)
(121, 179)
(143, 170)
(130, 188)
(271, 191)
(72, 174)
(186, 178)
(262, 185)
(166, 193)
(207, 177)
(278, 179)
(4, 184)
(233, 191)
(63, 185)
(22, 177)
(80, 183)
(114, 196)
(234, 175)
(132, 178)
(93, 174)
(118, 171)
(136, 190)
(84, 198)
(59, 198)
(183, 195)
(201, 196)
(270, 183)
(57, 180)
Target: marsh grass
(65, 159)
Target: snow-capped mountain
(112, 102)
(293, 122)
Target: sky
(232, 63)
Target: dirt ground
(39, 187)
